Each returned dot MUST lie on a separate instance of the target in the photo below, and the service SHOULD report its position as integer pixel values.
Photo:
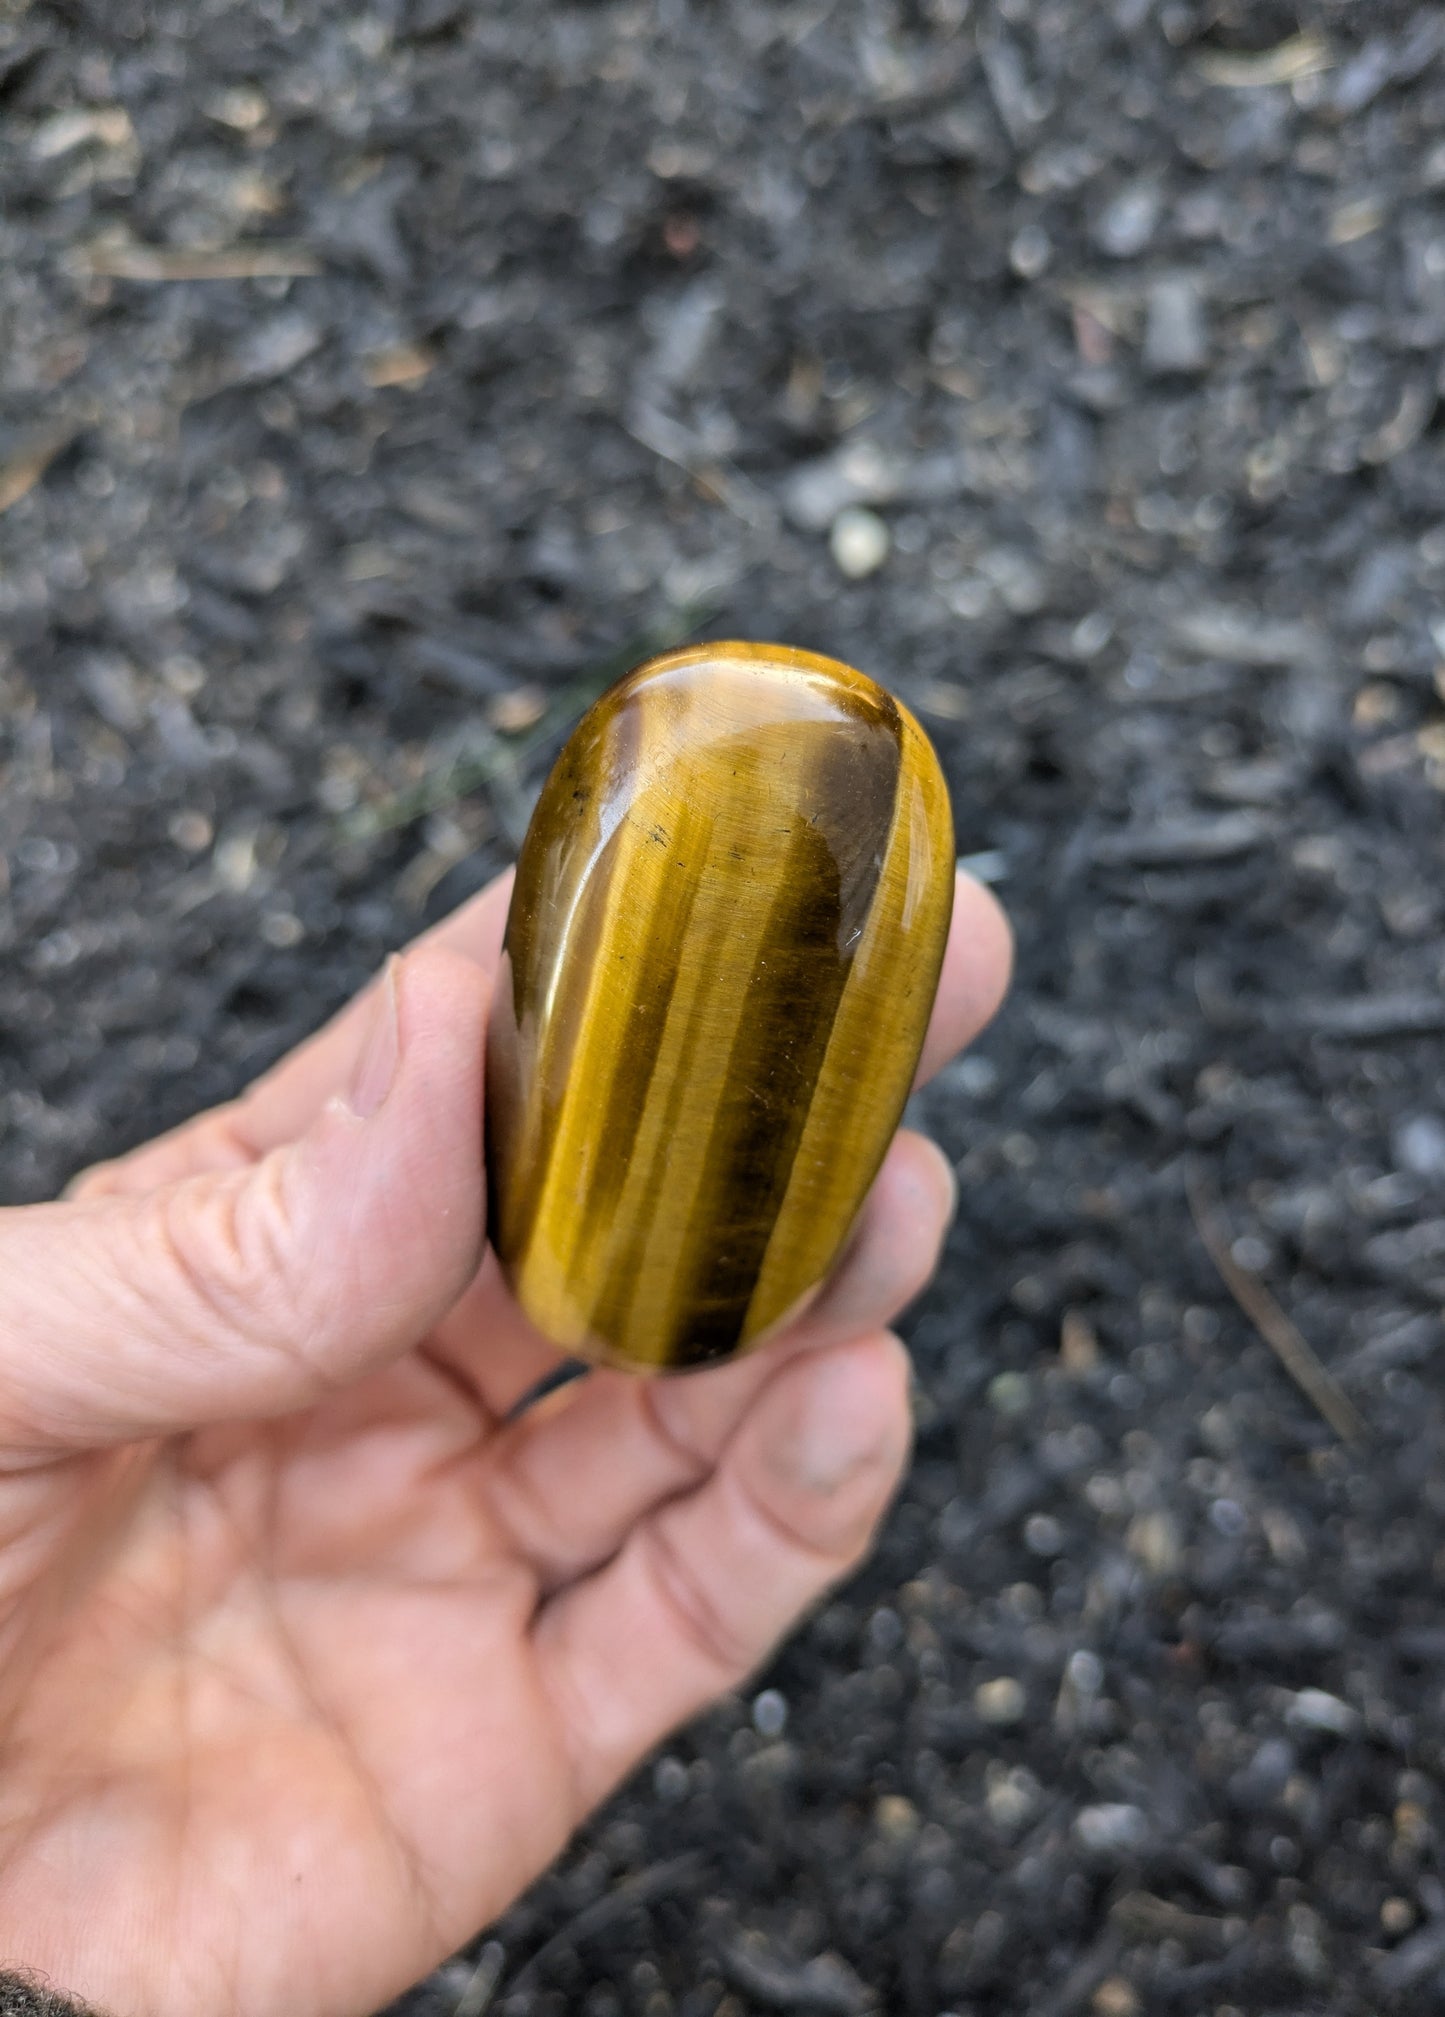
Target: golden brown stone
(722, 951)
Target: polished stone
(722, 951)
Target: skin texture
(309, 1658)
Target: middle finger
(568, 1479)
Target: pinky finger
(707, 1584)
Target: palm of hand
(352, 1677)
(302, 1696)
(312, 1650)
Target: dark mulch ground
(1122, 324)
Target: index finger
(977, 963)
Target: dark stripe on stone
(656, 964)
(825, 891)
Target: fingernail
(380, 1050)
(836, 1433)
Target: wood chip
(400, 364)
(1353, 221)
(242, 108)
(1192, 837)
(1248, 70)
(107, 125)
(278, 260)
(20, 474)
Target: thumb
(254, 1292)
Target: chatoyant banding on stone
(722, 951)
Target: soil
(1074, 367)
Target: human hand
(310, 1658)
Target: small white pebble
(1001, 1703)
(1031, 251)
(243, 109)
(1397, 1915)
(885, 1630)
(895, 1817)
(191, 831)
(1112, 1828)
(1090, 634)
(1420, 1146)
(1011, 1797)
(770, 1713)
(282, 929)
(235, 861)
(1115, 1998)
(670, 1781)
(1086, 1671)
(976, 1076)
(859, 541)
(1314, 1709)
(1008, 1393)
(1127, 225)
(1043, 1535)
(1154, 1540)
(1227, 1516)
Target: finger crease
(695, 1462)
(691, 1609)
(785, 1533)
(521, 1508)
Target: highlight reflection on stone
(722, 952)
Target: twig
(1084, 1977)
(19, 476)
(1283, 1339)
(642, 1889)
(1171, 843)
(671, 442)
(278, 260)
(1141, 1917)
(1369, 1016)
(825, 1986)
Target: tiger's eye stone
(722, 951)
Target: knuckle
(220, 1250)
(223, 1139)
(664, 1412)
(100, 1180)
(530, 1518)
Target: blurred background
(377, 381)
